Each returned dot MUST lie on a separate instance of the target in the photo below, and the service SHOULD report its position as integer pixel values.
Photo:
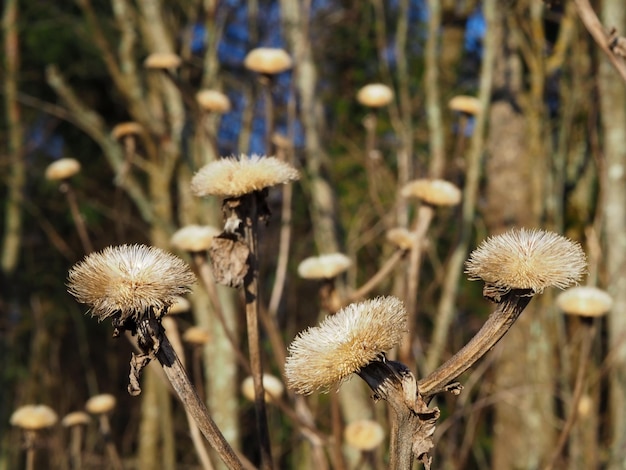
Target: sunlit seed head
(234, 177)
(75, 418)
(213, 101)
(375, 95)
(527, 259)
(162, 60)
(128, 280)
(268, 60)
(273, 386)
(433, 191)
(325, 355)
(34, 417)
(465, 104)
(101, 404)
(585, 301)
(194, 238)
(62, 169)
(364, 434)
(324, 266)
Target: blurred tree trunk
(613, 114)
(522, 433)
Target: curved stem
(81, 228)
(496, 326)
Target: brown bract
(324, 266)
(62, 169)
(233, 177)
(34, 417)
(268, 60)
(585, 301)
(432, 191)
(343, 343)
(128, 280)
(527, 259)
(375, 95)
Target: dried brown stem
(81, 227)
(499, 322)
(105, 429)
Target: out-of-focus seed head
(75, 418)
(101, 404)
(433, 191)
(585, 301)
(324, 266)
(62, 169)
(213, 101)
(194, 238)
(344, 343)
(268, 60)
(162, 60)
(34, 417)
(273, 386)
(233, 177)
(527, 259)
(128, 280)
(375, 95)
(364, 434)
(197, 335)
(465, 104)
(125, 129)
(401, 237)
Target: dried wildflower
(268, 60)
(324, 266)
(364, 434)
(433, 191)
(527, 259)
(194, 238)
(34, 417)
(233, 177)
(585, 301)
(128, 280)
(375, 95)
(344, 343)
(62, 169)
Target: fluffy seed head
(324, 266)
(465, 104)
(268, 60)
(194, 238)
(213, 101)
(234, 177)
(527, 259)
(272, 385)
(401, 237)
(62, 169)
(343, 343)
(433, 191)
(75, 418)
(585, 301)
(375, 95)
(364, 434)
(127, 280)
(34, 417)
(100, 404)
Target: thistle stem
(496, 326)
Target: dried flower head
(233, 177)
(272, 385)
(343, 343)
(585, 301)
(75, 418)
(375, 95)
(128, 280)
(194, 238)
(34, 417)
(364, 434)
(465, 104)
(527, 259)
(401, 237)
(433, 191)
(268, 60)
(324, 266)
(101, 404)
(213, 101)
(62, 169)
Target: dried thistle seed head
(324, 266)
(213, 101)
(268, 60)
(364, 434)
(375, 95)
(432, 191)
(233, 177)
(585, 301)
(128, 280)
(101, 404)
(62, 169)
(343, 343)
(527, 259)
(194, 238)
(162, 60)
(401, 237)
(273, 386)
(34, 417)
